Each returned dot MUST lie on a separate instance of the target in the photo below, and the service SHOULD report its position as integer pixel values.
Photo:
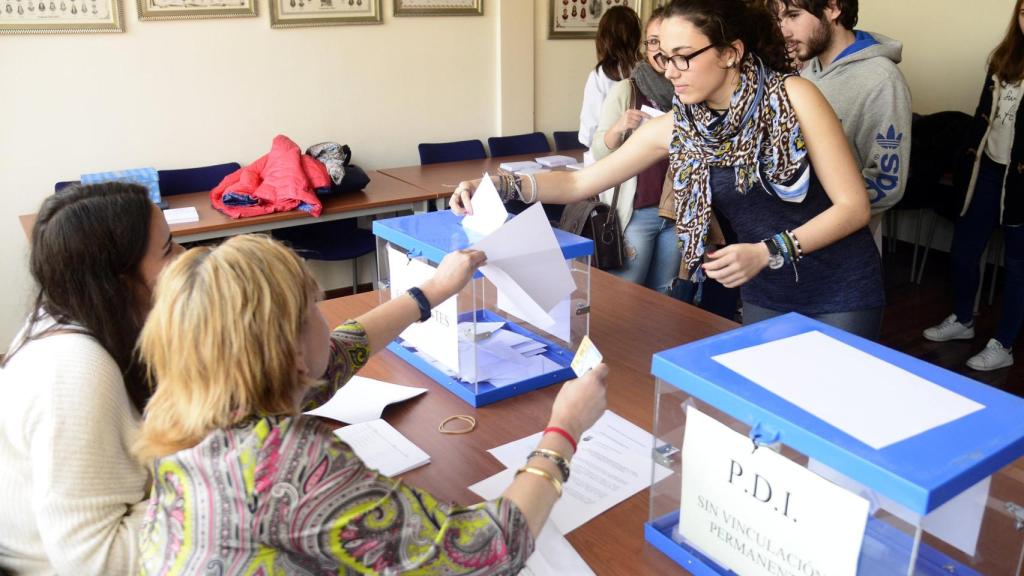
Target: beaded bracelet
(558, 459)
(538, 472)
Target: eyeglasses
(652, 44)
(682, 63)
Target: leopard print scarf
(758, 136)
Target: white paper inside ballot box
(438, 337)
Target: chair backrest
(518, 144)
(199, 179)
(433, 153)
(568, 141)
(937, 141)
(62, 185)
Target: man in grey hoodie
(857, 73)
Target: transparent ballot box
(794, 448)
(486, 344)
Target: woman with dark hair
(744, 137)
(618, 51)
(994, 196)
(72, 391)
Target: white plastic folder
(383, 448)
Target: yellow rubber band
(467, 419)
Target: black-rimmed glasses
(682, 63)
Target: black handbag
(600, 222)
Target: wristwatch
(775, 259)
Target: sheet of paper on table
(363, 399)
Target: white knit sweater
(71, 495)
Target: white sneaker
(950, 329)
(993, 357)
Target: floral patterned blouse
(284, 495)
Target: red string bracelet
(562, 433)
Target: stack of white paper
(556, 160)
(383, 448)
(181, 215)
(363, 399)
(521, 167)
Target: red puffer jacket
(282, 180)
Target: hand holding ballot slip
(586, 358)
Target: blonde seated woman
(244, 483)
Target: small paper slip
(483, 330)
(577, 166)
(488, 211)
(556, 160)
(364, 399)
(181, 215)
(382, 447)
(587, 356)
(520, 166)
(652, 112)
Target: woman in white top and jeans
(618, 50)
(994, 196)
(72, 392)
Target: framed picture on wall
(194, 9)
(304, 13)
(579, 18)
(60, 16)
(439, 7)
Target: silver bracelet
(533, 186)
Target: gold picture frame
(306, 13)
(195, 9)
(578, 19)
(439, 8)
(60, 16)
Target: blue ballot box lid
(434, 234)
(921, 472)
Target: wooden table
(442, 178)
(629, 324)
(383, 194)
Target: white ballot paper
(526, 265)
(363, 399)
(957, 522)
(759, 513)
(613, 463)
(650, 111)
(181, 215)
(556, 160)
(382, 447)
(875, 402)
(488, 211)
(438, 336)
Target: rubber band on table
(469, 420)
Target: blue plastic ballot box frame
(920, 473)
(431, 236)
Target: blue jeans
(863, 323)
(652, 251)
(970, 237)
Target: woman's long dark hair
(618, 42)
(749, 21)
(87, 244)
(1008, 58)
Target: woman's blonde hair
(221, 341)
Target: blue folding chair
(332, 241)
(201, 179)
(518, 144)
(435, 153)
(568, 141)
